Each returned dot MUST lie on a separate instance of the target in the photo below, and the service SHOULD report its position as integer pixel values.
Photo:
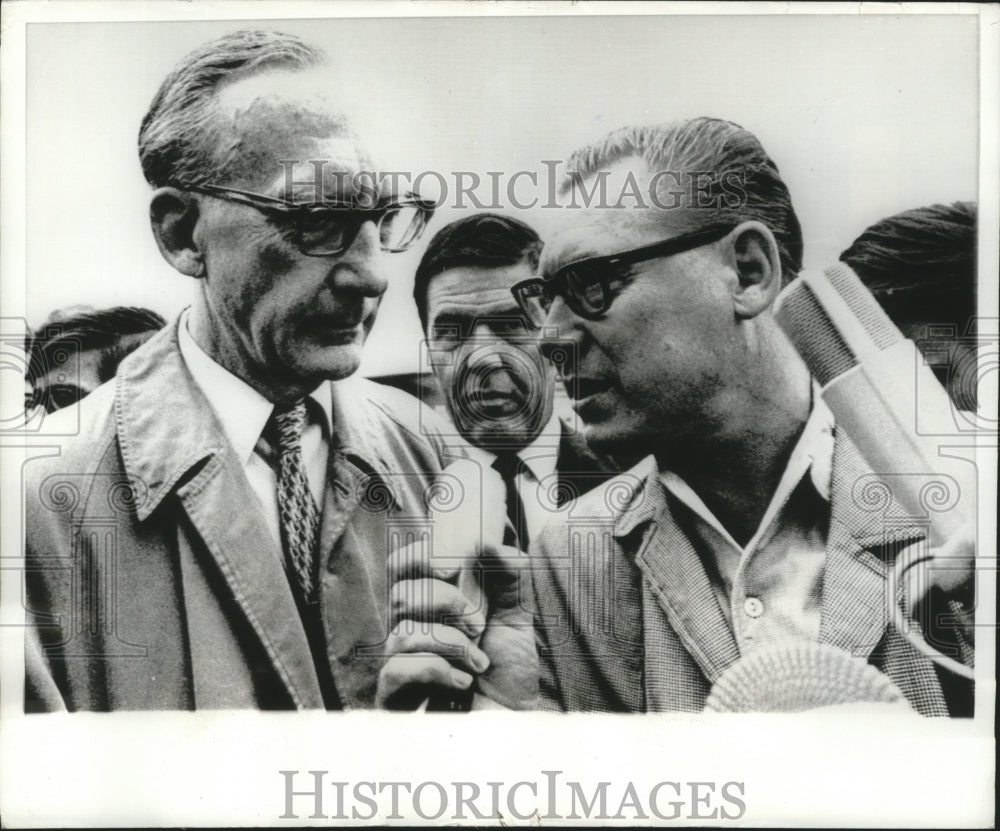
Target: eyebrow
(463, 318)
(450, 319)
(578, 257)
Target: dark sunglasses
(323, 229)
(589, 286)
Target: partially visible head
(676, 334)
(485, 355)
(921, 266)
(72, 355)
(287, 300)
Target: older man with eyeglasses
(217, 533)
(740, 529)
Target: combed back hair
(482, 241)
(921, 264)
(731, 155)
(182, 140)
(116, 332)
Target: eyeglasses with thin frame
(589, 286)
(326, 228)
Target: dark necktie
(508, 466)
(296, 507)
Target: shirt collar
(816, 443)
(242, 411)
(538, 457)
(812, 454)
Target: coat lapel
(171, 442)
(359, 500)
(677, 580)
(866, 530)
(353, 578)
(244, 551)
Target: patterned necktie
(508, 466)
(298, 512)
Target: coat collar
(866, 529)
(863, 517)
(167, 428)
(173, 444)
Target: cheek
(275, 259)
(444, 375)
(272, 289)
(634, 346)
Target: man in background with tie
(500, 394)
(216, 529)
(498, 388)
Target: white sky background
(864, 115)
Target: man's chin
(616, 439)
(489, 437)
(332, 363)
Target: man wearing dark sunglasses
(740, 528)
(247, 499)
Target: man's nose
(362, 266)
(483, 346)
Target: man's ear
(758, 267)
(174, 216)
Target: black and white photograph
(499, 414)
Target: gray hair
(726, 151)
(181, 140)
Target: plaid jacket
(627, 620)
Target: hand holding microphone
(455, 604)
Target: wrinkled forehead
(290, 137)
(472, 290)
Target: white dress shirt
(535, 484)
(243, 413)
(771, 589)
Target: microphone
(798, 676)
(468, 513)
(870, 376)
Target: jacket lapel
(360, 496)
(171, 442)
(866, 530)
(244, 551)
(677, 580)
